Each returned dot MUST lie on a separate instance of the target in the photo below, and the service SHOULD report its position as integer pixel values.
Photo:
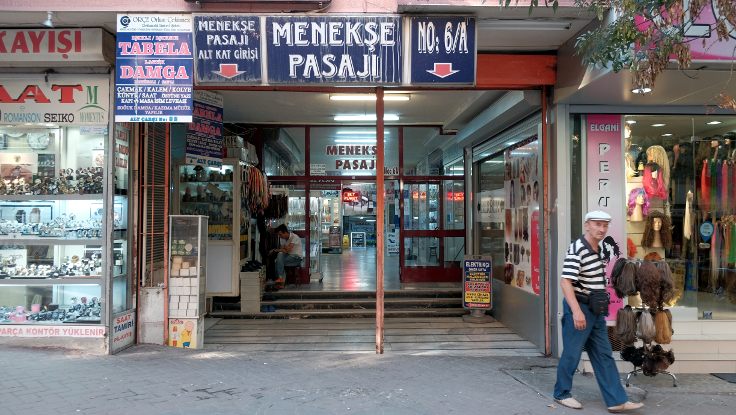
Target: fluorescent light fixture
(630, 121)
(667, 135)
(658, 125)
(493, 162)
(49, 22)
(361, 132)
(369, 97)
(356, 140)
(365, 117)
(370, 220)
(457, 168)
(642, 90)
(714, 122)
(511, 143)
(524, 24)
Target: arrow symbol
(442, 69)
(228, 70)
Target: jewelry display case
(215, 192)
(188, 248)
(53, 225)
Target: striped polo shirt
(585, 267)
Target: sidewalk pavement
(159, 380)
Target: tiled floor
(355, 270)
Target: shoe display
(624, 407)
(570, 403)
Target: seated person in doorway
(288, 254)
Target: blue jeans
(595, 339)
(282, 260)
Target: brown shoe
(624, 407)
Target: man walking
(584, 271)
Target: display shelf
(45, 280)
(42, 240)
(12, 198)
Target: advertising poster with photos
(523, 192)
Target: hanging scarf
(732, 182)
(705, 187)
(655, 188)
(687, 225)
(715, 262)
(724, 187)
(713, 185)
(732, 251)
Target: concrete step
(341, 313)
(356, 303)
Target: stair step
(352, 304)
(343, 313)
(420, 293)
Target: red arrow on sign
(442, 69)
(228, 70)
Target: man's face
(596, 229)
(283, 235)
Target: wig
(667, 291)
(663, 327)
(631, 248)
(633, 355)
(625, 283)
(665, 232)
(657, 154)
(636, 192)
(646, 330)
(655, 187)
(656, 360)
(648, 283)
(508, 273)
(626, 325)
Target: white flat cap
(597, 215)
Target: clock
(38, 141)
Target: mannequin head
(664, 231)
(638, 196)
(657, 224)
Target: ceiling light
(714, 122)
(369, 97)
(524, 24)
(658, 125)
(49, 22)
(667, 135)
(370, 220)
(642, 90)
(630, 121)
(356, 140)
(365, 117)
(511, 143)
(361, 132)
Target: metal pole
(380, 194)
(546, 221)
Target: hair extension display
(633, 355)
(664, 232)
(666, 284)
(645, 329)
(626, 325)
(656, 360)
(618, 267)
(625, 284)
(631, 248)
(663, 327)
(648, 284)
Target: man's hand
(578, 318)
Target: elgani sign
(62, 99)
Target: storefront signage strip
(204, 133)
(50, 47)
(56, 99)
(154, 68)
(83, 331)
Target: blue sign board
(204, 135)
(154, 68)
(334, 49)
(228, 48)
(443, 50)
